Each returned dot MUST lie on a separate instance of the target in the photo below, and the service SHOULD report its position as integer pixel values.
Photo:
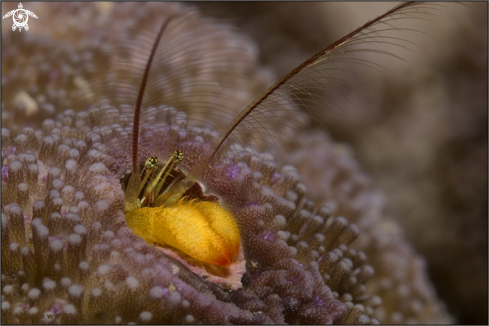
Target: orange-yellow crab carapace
(203, 230)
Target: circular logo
(20, 18)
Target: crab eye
(177, 156)
(152, 182)
(152, 162)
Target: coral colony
(93, 234)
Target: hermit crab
(149, 202)
(168, 206)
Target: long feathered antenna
(139, 101)
(316, 73)
(319, 83)
(131, 195)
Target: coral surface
(321, 255)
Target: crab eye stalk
(131, 194)
(200, 229)
(154, 186)
(150, 166)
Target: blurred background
(419, 131)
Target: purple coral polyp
(11, 150)
(268, 235)
(276, 177)
(318, 302)
(232, 171)
(56, 309)
(5, 173)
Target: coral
(41, 74)
(78, 236)
(67, 249)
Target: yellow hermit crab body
(158, 211)
(201, 229)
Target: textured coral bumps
(82, 259)
(67, 248)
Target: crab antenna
(132, 191)
(181, 187)
(137, 110)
